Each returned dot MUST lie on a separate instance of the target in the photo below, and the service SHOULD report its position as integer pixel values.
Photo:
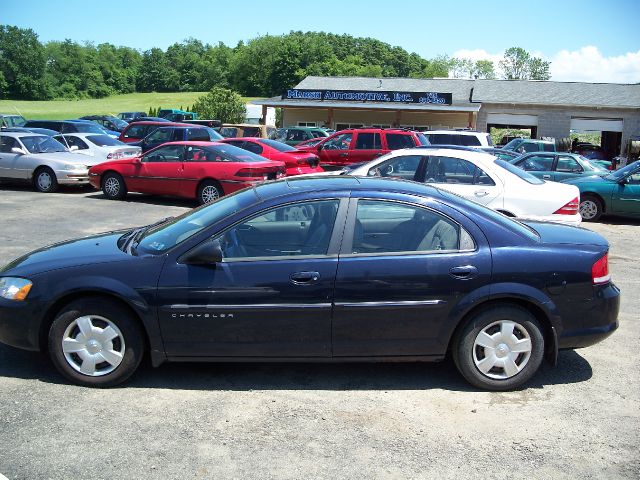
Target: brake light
(570, 208)
(311, 161)
(264, 173)
(600, 271)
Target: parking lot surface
(579, 420)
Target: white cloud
(588, 65)
(584, 65)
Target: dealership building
(548, 109)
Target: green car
(558, 166)
(615, 194)
(295, 135)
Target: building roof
(557, 93)
(468, 95)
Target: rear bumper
(573, 220)
(598, 324)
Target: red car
(357, 145)
(200, 170)
(136, 131)
(296, 162)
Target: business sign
(367, 96)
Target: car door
(335, 151)
(462, 177)
(366, 146)
(10, 165)
(539, 165)
(159, 171)
(403, 270)
(272, 294)
(566, 167)
(625, 199)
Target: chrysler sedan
(316, 269)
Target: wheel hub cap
(93, 345)
(502, 349)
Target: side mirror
(208, 253)
(18, 150)
(320, 147)
(73, 148)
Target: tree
(22, 63)
(518, 64)
(462, 68)
(221, 104)
(484, 69)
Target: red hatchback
(296, 162)
(359, 145)
(200, 170)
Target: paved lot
(579, 420)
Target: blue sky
(559, 31)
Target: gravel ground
(580, 420)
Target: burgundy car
(296, 162)
(357, 145)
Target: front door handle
(481, 193)
(546, 177)
(344, 154)
(304, 278)
(463, 272)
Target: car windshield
(104, 141)
(526, 176)
(117, 122)
(167, 235)
(88, 127)
(281, 147)
(623, 172)
(42, 144)
(513, 144)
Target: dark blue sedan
(316, 269)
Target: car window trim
(347, 238)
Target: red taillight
(570, 208)
(600, 271)
(263, 173)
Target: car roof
(472, 133)
(82, 134)
(21, 134)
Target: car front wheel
(95, 342)
(499, 348)
(113, 186)
(45, 180)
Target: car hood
(555, 234)
(100, 248)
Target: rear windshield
(281, 147)
(526, 176)
(104, 140)
(224, 152)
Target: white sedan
(482, 178)
(99, 147)
(42, 161)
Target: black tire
(114, 186)
(45, 181)
(591, 208)
(209, 191)
(469, 356)
(105, 361)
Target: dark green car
(615, 194)
(558, 166)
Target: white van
(467, 138)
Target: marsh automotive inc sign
(436, 98)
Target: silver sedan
(42, 161)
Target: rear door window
(135, 131)
(568, 164)
(368, 141)
(537, 163)
(198, 135)
(396, 141)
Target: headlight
(70, 166)
(13, 288)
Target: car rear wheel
(590, 208)
(500, 348)
(113, 186)
(94, 342)
(45, 181)
(209, 191)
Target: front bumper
(20, 324)
(72, 177)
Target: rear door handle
(344, 154)
(481, 193)
(304, 278)
(546, 177)
(463, 272)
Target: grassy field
(64, 109)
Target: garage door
(512, 119)
(597, 124)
